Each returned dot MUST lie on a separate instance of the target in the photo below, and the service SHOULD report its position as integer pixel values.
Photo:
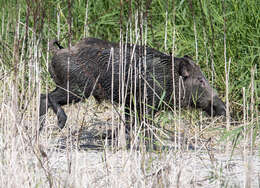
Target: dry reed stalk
(195, 30)
(179, 114)
(173, 72)
(112, 96)
(227, 71)
(15, 65)
(205, 36)
(86, 28)
(145, 99)
(37, 88)
(58, 21)
(131, 120)
(245, 148)
(136, 37)
(69, 135)
(252, 106)
(121, 126)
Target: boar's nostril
(219, 111)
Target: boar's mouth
(219, 108)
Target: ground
(80, 155)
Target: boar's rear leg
(56, 99)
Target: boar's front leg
(56, 99)
(44, 105)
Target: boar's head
(196, 90)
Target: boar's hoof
(62, 118)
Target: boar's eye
(201, 81)
(184, 78)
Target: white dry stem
(145, 99)
(112, 94)
(173, 77)
(58, 21)
(179, 114)
(15, 65)
(121, 125)
(252, 104)
(227, 71)
(196, 39)
(212, 79)
(86, 32)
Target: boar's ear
(184, 70)
(54, 46)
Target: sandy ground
(167, 169)
(73, 158)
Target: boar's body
(92, 68)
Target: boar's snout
(219, 108)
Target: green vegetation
(239, 21)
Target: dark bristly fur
(90, 73)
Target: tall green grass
(242, 31)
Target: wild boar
(99, 68)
